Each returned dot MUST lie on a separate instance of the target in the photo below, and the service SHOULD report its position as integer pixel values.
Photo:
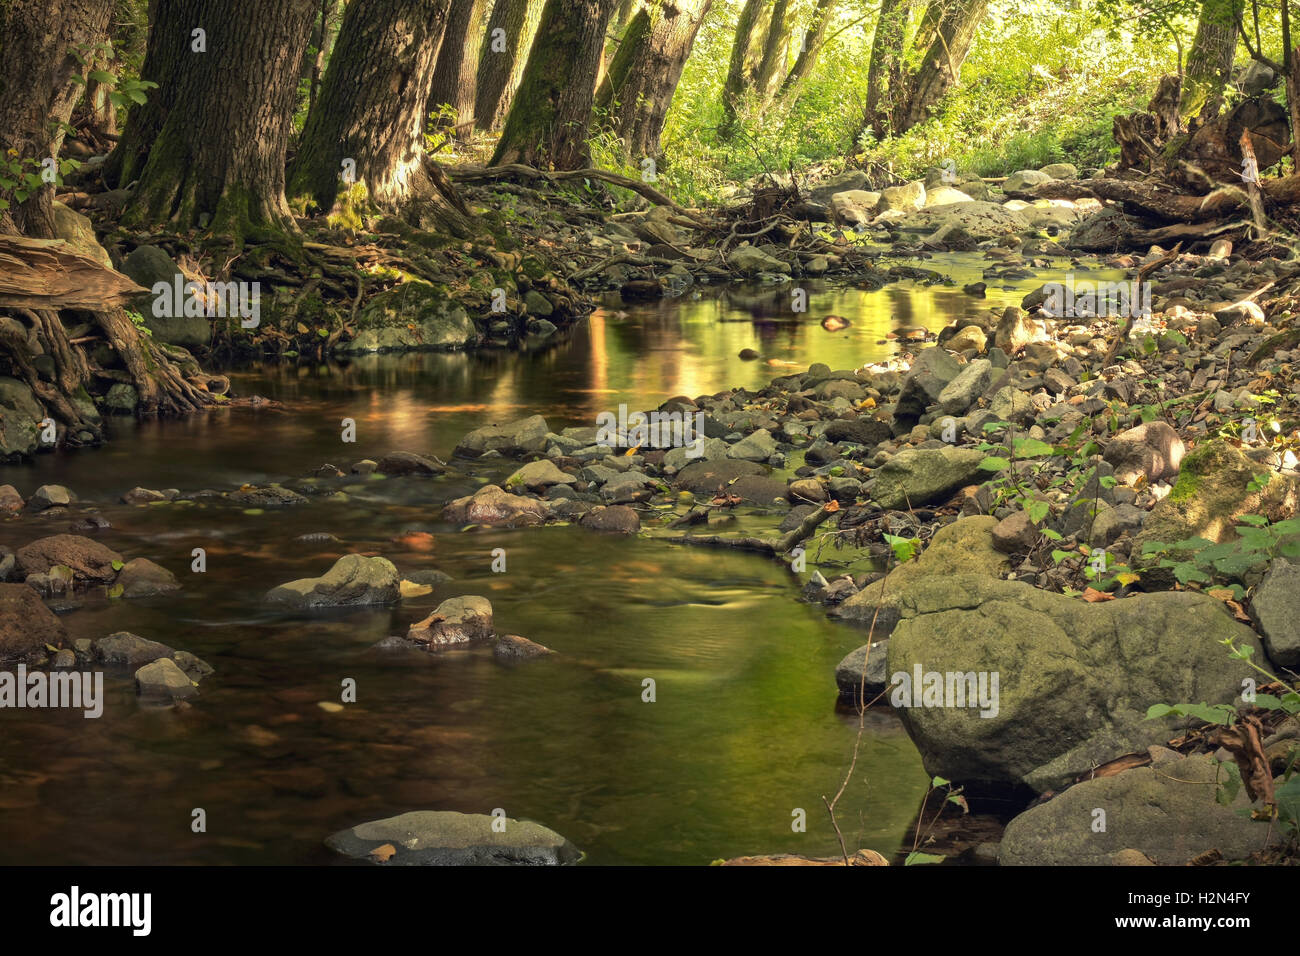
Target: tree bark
(456, 72)
(941, 67)
(36, 87)
(37, 93)
(885, 73)
(814, 39)
(502, 58)
(217, 161)
(548, 121)
(1209, 63)
(776, 46)
(641, 82)
(738, 80)
(368, 126)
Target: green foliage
(1286, 805)
(1198, 560)
(905, 549)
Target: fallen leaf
(1093, 596)
(383, 854)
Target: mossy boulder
(1166, 811)
(1074, 680)
(963, 547)
(412, 316)
(20, 417)
(1216, 485)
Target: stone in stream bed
(513, 439)
(50, 496)
(510, 648)
(141, 577)
(355, 580)
(447, 838)
(26, 624)
(491, 505)
(89, 560)
(406, 463)
(164, 681)
(456, 622)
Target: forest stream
(744, 730)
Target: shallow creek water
(743, 732)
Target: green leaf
(994, 463)
(917, 857)
(101, 76)
(1032, 448)
(1257, 521)
(939, 782)
(117, 565)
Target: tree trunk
(1209, 63)
(738, 80)
(814, 39)
(166, 46)
(885, 73)
(941, 67)
(547, 124)
(456, 71)
(37, 93)
(502, 58)
(368, 126)
(776, 48)
(217, 161)
(644, 76)
(330, 20)
(36, 87)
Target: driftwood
(46, 274)
(1154, 199)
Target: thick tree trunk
(941, 67)
(885, 73)
(738, 80)
(167, 45)
(36, 89)
(1209, 63)
(456, 72)
(641, 81)
(776, 48)
(548, 121)
(502, 58)
(217, 161)
(368, 126)
(814, 39)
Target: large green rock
(1074, 679)
(412, 316)
(963, 547)
(921, 475)
(1166, 811)
(20, 417)
(76, 230)
(1211, 494)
